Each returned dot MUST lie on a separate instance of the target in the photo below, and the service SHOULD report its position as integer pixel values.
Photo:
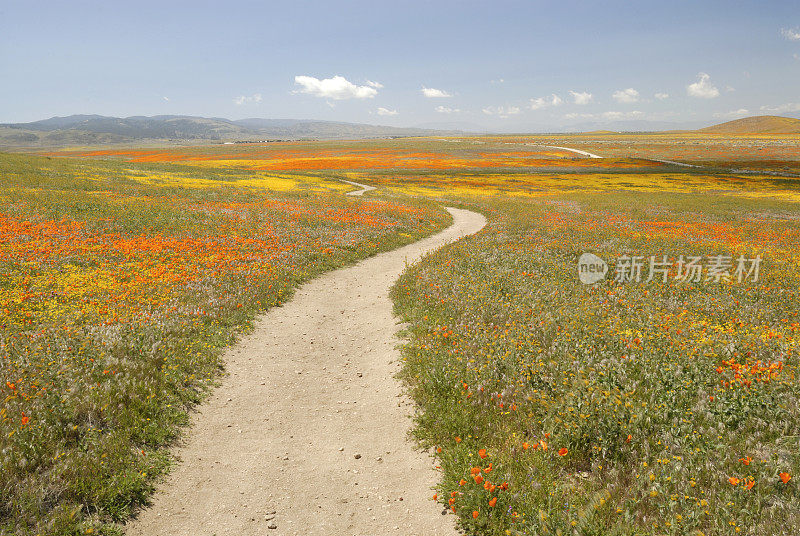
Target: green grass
(507, 349)
(117, 300)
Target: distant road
(584, 153)
(364, 188)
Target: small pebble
(357, 456)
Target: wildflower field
(120, 285)
(662, 402)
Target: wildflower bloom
(482, 453)
(475, 514)
(493, 502)
(785, 477)
(562, 451)
(25, 419)
(734, 481)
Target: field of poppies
(662, 399)
(120, 285)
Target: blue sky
(522, 65)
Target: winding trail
(364, 188)
(578, 151)
(307, 434)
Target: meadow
(120, 286)
(661, 406)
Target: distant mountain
(99, 130)
(759, 124)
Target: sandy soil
(307, 434)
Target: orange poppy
(475, 514)
(562, 451)
(785, 477)
(734, 481)
(482, 453)
(493, 502)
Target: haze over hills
(88, 130)
(101, 130)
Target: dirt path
(307, 434)
(578, 151)
(364, 188)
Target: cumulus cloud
(447, 110)
(581, 98)
(386, 111)
(782, 108)
(626, 95)
(252, 99)
(433, 93)
(336, 88)
(792, 34)
(703, 88)
(733, 114)
(543, 102)
(376, 85)
(661, 96)
(501, 111)
(575, 115)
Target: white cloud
(376, 85)
(733, 114)
(661, 96)
(165, 98)
(447, 110)
(792, 34)
(433, 93)
(498, 81)
(501, 111)
(336, 88)
(543, 102)
(386, 111)
(626, 95)
(581, 98)
(782, 108)
(636, 114)
(252, 99)
(575, 115)
(703, 88)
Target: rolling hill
(102, 130)
(759, 124)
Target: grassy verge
(120, 286)
(615, 408)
